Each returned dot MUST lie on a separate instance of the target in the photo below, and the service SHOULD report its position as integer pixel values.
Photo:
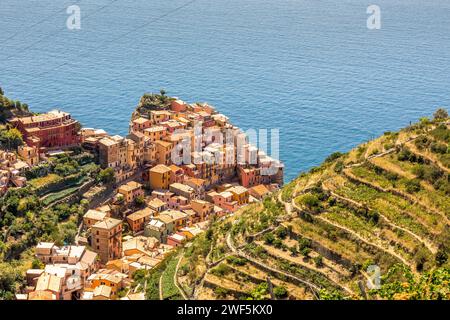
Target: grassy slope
(385, 203)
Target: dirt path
(175, 278)
(161, 297)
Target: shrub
(413, 186)
(277, 243)
(437, 147)
(280, 292)
(281, 232)
(334, 156)
(106, 176)
(305, 252)
(304, 243)
(221, 292)
(318, 261)
(221, 270)
(238, 261)
(440, 114)
(311, 201)
(441, 256)
(269, 238)
(422, 142)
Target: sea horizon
(312, 70)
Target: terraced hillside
(384, 204)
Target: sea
(311, 69)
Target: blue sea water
(308, 67)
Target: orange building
(107, 239)
(138, 219)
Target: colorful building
(52, 130)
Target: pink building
(225, 201)
(176, 239)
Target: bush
(413, 186)
(339, 166)
(441, 257)
(311, 201)
(318, 261)
(221, 270)
(440, 114)
(106, 176)
(238, 261)
(305, 252)
(334, 156)
(221, 292)
(281, 232)
(269, 238)
(277, 243)
(437, 147)
(304, 243)
(280, 292)
(422, 142)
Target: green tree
(11, 138)
(106, 176)
(139, 201)
(280, 292)
(269, 238)
(440, 114)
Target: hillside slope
(385, 204)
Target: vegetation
(385, 203)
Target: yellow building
(131, 191)
(29, 154)
(155, 133)
(203, 209)
(107, 278)
(157, 116)
(163, 152)
(240, 194)
(160, 177)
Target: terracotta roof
(160, 168)
(95, 215)
(103, 291)
(182, 187)
(170, 216)
(260, 190)
(48, 282)
(41, 295)
(237, 189)
(196, 181)
(146, 212)
(130, 186)
(140, 120)
(156, 203)
(107, 224)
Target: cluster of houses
(159, 203)
(215, 150)
(13, 165)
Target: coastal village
(147, 205)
